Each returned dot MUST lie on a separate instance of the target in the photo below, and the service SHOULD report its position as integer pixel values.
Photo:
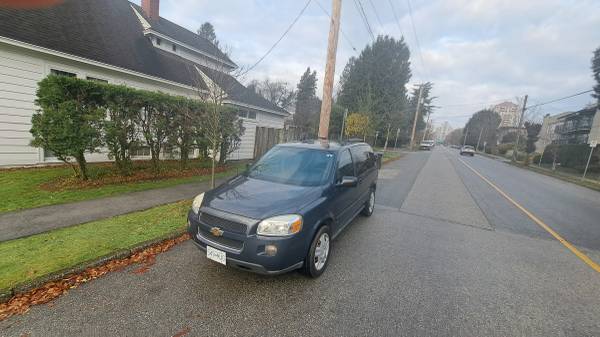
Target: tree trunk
(82, 166)
(155, 157)
(223, 152)
(184, 156)
(212, 172)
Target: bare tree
(212, 86)
(277, 92)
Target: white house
(118, 42)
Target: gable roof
(176, 32)
(109, 31)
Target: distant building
(547, 133)
(509, 113)
(574, 127)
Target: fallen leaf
(183, 332)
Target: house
(547, 133)
(117, 42)
(575, 127)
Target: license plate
(216, 255)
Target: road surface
(444, 254)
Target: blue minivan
(284, 211)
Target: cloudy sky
(476, 52)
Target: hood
(260, 199)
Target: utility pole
(376, 136)
(592, 146)
(414, 128)
(396, 141)
(479, 139)
(426, 128)
(343, 125)
(466, 133)
(514, 156)
(332, 42)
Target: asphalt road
(443, 255)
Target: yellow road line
(535, 219)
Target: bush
(503, 148)
(573, 156)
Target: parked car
(427, 145)
(467, 150)
(284, 211)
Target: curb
(7, 294)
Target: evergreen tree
(307, 103)
(207, 31)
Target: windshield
(294, 166)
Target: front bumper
(246, 251)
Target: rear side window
(345, 166)
(360, 159)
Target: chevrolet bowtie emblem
(216, 231)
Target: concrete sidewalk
(18, 224)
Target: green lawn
(31, 257)
(21, 187)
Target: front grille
(230, 243)
(224, 224)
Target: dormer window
(174, 47)
(158, 40)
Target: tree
(533, 131)
(189, 115)
(307, 104)
(207, 31)
(374, 83)
(277, 92)
(232, 129)
(69, 122)
(596, 72)
(426, 110)
(455, 137)
(357, 125)
(510, 137)
(121, 134)
(155, 120)
(484, 122)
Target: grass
(589, 183)
(26, 259)
(22, 188)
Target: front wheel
(317, 258)
(370, 205)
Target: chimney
(151, 8)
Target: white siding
(246, 149)
(20, 71)
(269, 120)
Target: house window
(174, 47)
(142, 151)
(62, 73)
(252, 114)
(243, 113)
(89, 78)
(158, 41)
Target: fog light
(271, 250)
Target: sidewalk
(18, 224)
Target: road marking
(535, 219)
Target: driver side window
(345, 165)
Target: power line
(559, 99)
(279, 40)
(396, 17)
(364, 18)
(341, 30)
(412, 22)
(376, 14)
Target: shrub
(69, 122)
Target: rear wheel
(370, 205)
(319, 252)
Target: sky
(476, 52)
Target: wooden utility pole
(414, 128)
(386, 138)
(330, 70)
(343, 125)
(515, 149)
(479, 139)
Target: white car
(427, 145)
(467, 150)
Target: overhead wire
(289, 28)
(341, 30)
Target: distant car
(455, 147)
(283, 212)
(427, 145)
(467, 150)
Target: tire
(315, 265)
(370, 204)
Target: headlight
(281, 225)
(197, 202)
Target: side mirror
(348, 181)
